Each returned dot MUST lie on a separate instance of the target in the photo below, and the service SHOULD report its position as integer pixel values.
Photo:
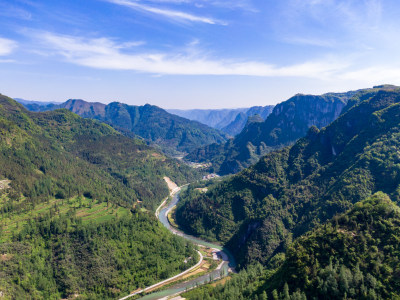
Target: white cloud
(7, 46)
(167, 13)
(104, 53)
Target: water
(229, 261)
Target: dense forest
(55, 257)
(76, 206)
(258, 212)
(353, 256)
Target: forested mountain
(230, 121)
(259, 211)
(288, 122)
(73, 199)
(174, 135)
(353, 256)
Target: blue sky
(195, 53)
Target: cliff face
(288, 122)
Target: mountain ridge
(173, 134)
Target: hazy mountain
(288, 122)
(230, 121)
(41, 103)
(173, 134)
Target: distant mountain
(288, 122)
(230, 121)
(35, 102)
(173, 134)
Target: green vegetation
(76, 208)
(258, 212)
(60, 256)
(355, 255)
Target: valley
(199, 150)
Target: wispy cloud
(7, 46)
(9, 10)
(167, 13)
(104, 53)
(319, 42)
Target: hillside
(172, 134)
(288, 122)
(230, 121)
(353, 256)
(74, 201)
(259, 211)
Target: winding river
(223, 268)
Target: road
(227, 264)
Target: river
(228, 259)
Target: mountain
(35, 102)
(258, 212)
(216, 118)
(76, 204)
(172, 134)
(353, 256)
(288, 122)
(230, 121)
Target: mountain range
(172, 134)
(230, 121)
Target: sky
(195, 53)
